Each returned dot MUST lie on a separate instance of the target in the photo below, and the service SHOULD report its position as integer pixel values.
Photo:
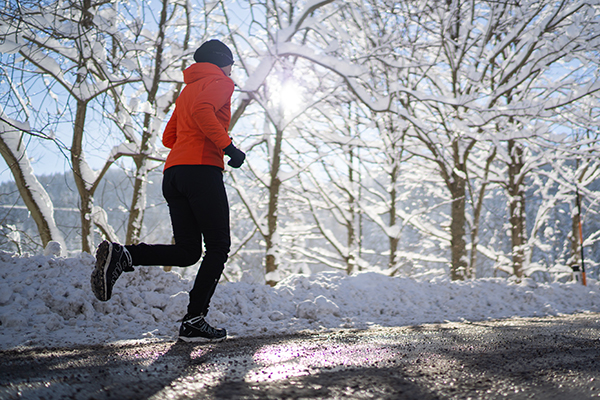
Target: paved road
(541, 358)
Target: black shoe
(111, 260)
(196, 329)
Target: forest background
(412, 138)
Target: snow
(13, 140)
(46, 301)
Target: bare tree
(481, 64)
(533, 53)
(165, 54)
(331, 184)
(273, 24)
(63, 43)
(12, 147)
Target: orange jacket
(197, 130)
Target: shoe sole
(200, 339)
(98, 279)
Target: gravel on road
(521, 358)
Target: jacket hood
(201, 70)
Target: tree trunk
(393, 241)
(271, 261)
(138, 200)
(458, 268)
(516, 195)
(81, 176)
(477, 215)
(575, 259)
(350, 231)
(138, 203)
(81, 171)
(31, 191)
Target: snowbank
(46, 301)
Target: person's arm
(214, 97)
(170, 133)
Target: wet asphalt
(522, 358)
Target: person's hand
(236, 156)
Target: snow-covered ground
(47, 301)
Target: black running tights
(199, 210)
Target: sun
(292, 96)
(287, 96)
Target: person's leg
(212, 212)
(186, 229)
(199, 210)
(112, 258)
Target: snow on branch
(351, 73)
(100, 219)
(311, 6)
(33, 193)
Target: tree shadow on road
(543, 358)
(268, 367)
(115, 371)
(548, 357)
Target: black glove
(236, 156)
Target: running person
(197, 135)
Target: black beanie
(215, 52)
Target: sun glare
(288, 96)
